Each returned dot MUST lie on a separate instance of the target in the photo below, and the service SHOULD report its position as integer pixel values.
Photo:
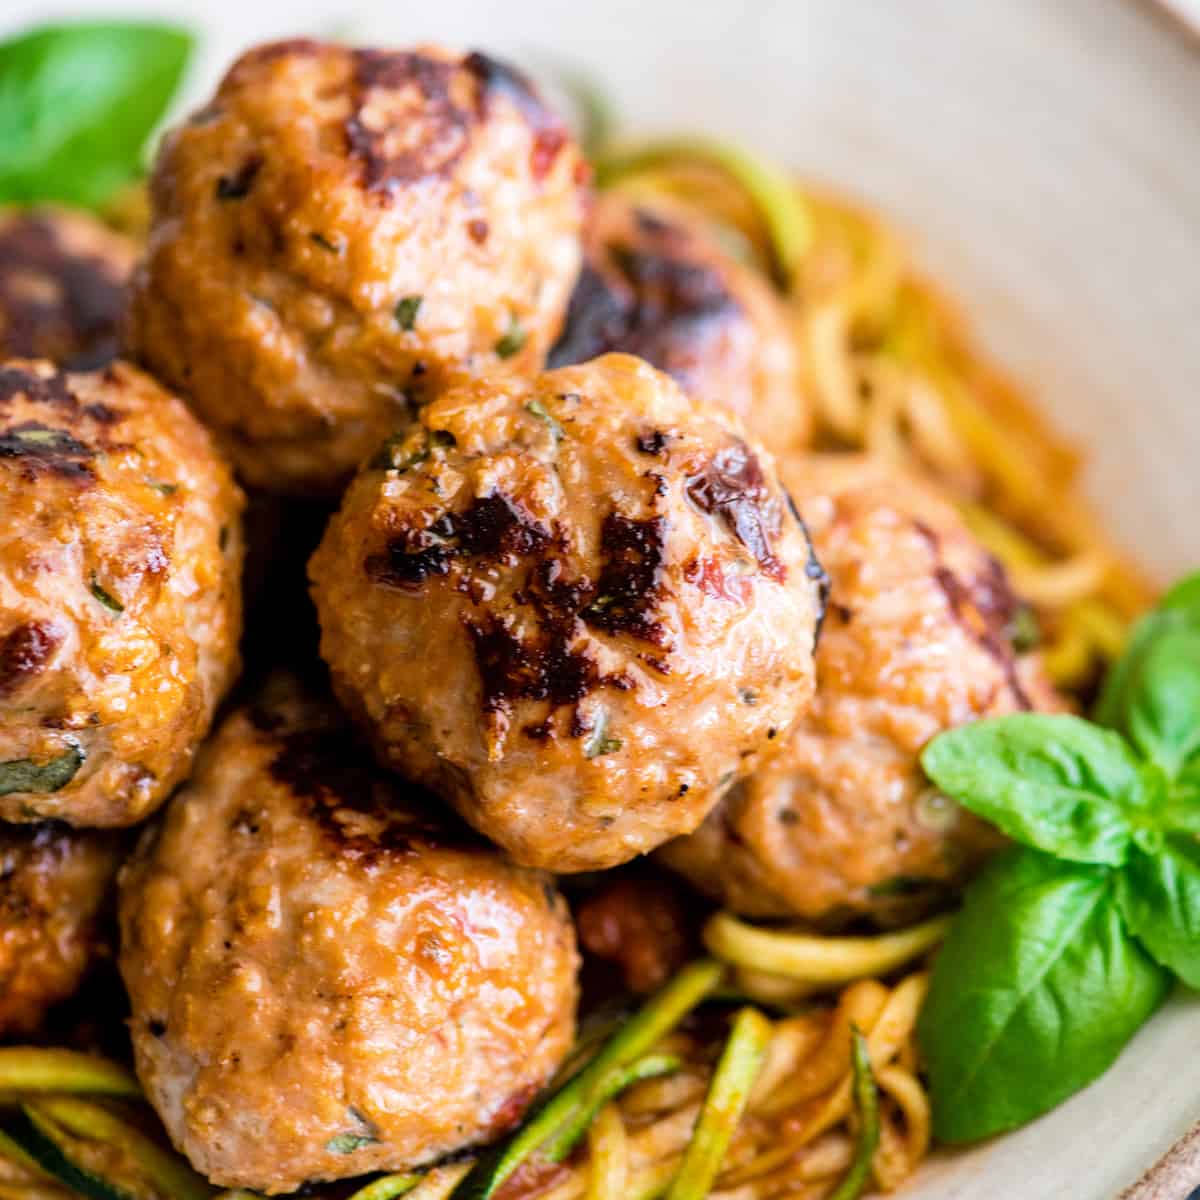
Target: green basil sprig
(1068, 942)
(77, 103)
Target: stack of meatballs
(569, 609)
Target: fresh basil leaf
(1184, 597)
(25, 775)
(1159, 896)
(1159, 710)
(1035, 992)
(77, 103)
(1057, 783)
(1177, 616)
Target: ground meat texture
(62, 286)
(916, 640)
(120, 562)
(54, 884)
(338, 229)
(327, 975)
(657, 283)
(578, 607)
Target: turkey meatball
(340, 228)
(579, 607)
(119, 592)
(54, 884)
(656, 283)
(62, 286)
(328, 977)
(917, 640)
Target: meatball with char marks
(917, 640)
(62, 286)
(336, 231)
(579, 607)
(54, 886)
(120, 608)
(656, 283)
(327, 975)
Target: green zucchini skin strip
(866, 1100)
(386, 1187)
(567, 1138)
(33, 1069)
(24, 775)
(728, 1093)
(633, 1039)
(162, 1168)
(778, 201)
(35, 1135)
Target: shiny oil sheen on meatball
(917, 640)
(54, 882)
(62, 286)
(328, 977)
(579, 607)
(656, 283)
(120, 606)
(336, 230)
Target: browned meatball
(578, 607)
(120, 556)
(336, 230)
(327, 976)
(62, 286)
(656, 283)
(917, 640)
(54, 882)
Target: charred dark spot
(423, 133)
(56, 303)
(499, 79)
(630, 583)
(361, 812)
(651, 300)
(45, 450)
(238, 185)
(652, 442)
(544, 665)
(733, 489)
(985, 606)
(478, 231)
(493, 527)
(24, 651)
(409, 561)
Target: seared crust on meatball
(54, 884)
(327, 975)
(656, 283)
(336, 230)
(120, 609)
(62, 287)
(579, 607)
(917, 640)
